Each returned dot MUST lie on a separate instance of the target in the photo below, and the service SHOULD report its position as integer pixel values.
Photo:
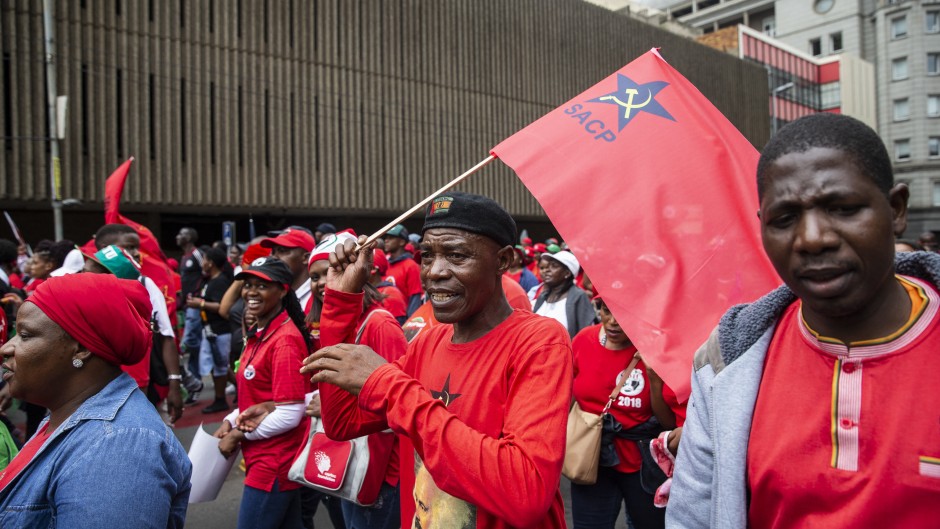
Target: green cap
(117, 261)
(398, 231)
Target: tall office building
(900, 38)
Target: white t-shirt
(159, 307)
(555, 311)
(303, 294)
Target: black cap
(275, 233)
(268, 269)
(326, 227)
(473, 213)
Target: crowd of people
(457, 352)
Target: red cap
(291, 238)
(539, 247)
(380, 260)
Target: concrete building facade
(298, 111)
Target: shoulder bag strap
(362, 327)
(626, 375)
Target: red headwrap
(253, 252)
(106, 315)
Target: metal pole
(54, 174)
(779, 89)
(429, 198)
(773, 114)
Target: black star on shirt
(444, 394)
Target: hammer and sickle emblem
(628, 107)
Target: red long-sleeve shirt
(487, 418)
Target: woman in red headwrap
(103, 455)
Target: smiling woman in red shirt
(269, 371)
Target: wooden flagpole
(428, 199)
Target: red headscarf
(106, 315)
(253, 252)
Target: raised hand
(350, 266)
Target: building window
(933, 22)
(933, 63)
(936, 193)
(933, 106)
(899, 27)
(830, 95)
(823, 6)
(7, 76)
(769, 25)
(212, 122)
(182, 117)
(902, 150)
(815, 47)
(933, 146)
(86, 116)
(902, 109)
(119, 111)
(152, 125)
(835, 42)
(899, 69)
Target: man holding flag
(482, 401)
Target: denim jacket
(112, 463)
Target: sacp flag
(655, 193)
(153, 262)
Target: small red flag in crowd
(153, 261)
(654, 190)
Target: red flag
(153, 262)
(655, 192)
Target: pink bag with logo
(353, 470)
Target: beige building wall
(857, 86)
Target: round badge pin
(249, 372)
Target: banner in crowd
(153, 262)
(654, 190)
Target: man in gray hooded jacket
(801, 413)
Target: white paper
(209, 467)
